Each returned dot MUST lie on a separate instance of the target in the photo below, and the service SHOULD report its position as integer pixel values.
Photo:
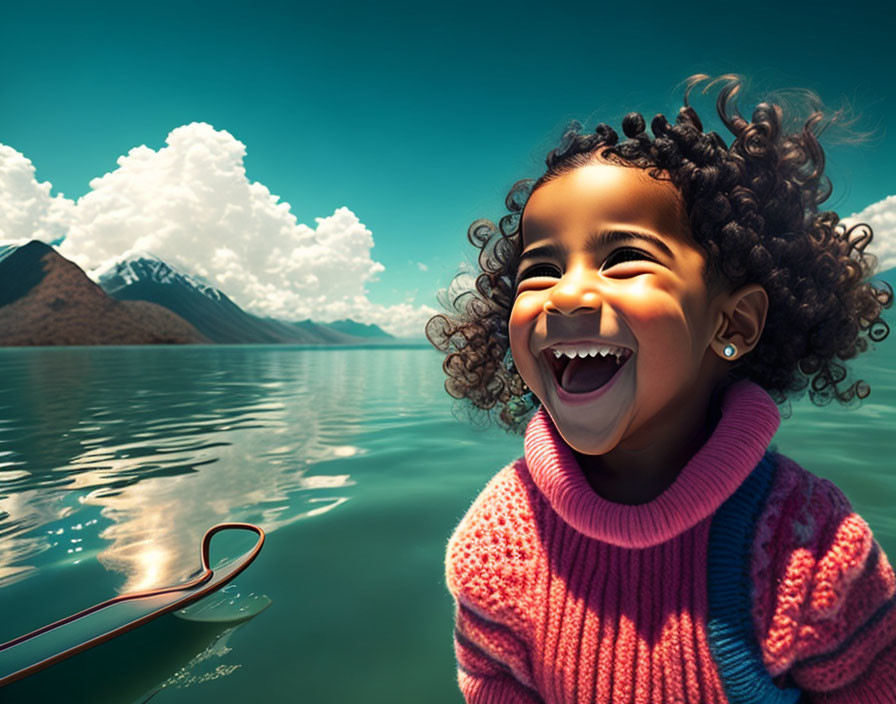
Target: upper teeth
(588, 351)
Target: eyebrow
(594, 242)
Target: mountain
(7, 249)
(350, 327)
(47, 300)
(140, 276)
(135, 266)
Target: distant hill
(47, 300)
(350, 327)
(141, 276)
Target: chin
(584, 440)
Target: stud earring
(730, 350)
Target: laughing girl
(640, 313)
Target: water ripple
(161, 443)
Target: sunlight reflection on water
(167, 442)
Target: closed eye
(539, 270)
(623, 254)
(626, 254)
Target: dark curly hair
(753, 208)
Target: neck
(637, 475)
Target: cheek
(650, 303)
(650, 315)
(665, 335)
(523, 318)
(516, 331)
(523, 315)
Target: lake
(357, 463)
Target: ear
(742, 320)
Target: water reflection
(158, 444)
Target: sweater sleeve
(825, 600)
(486, 572)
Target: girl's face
(583, 283)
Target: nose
(577, 292)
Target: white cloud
(422, 266)
(881, 216)
(191, 204)
(26, 209)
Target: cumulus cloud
(27, 211)
(191, 204)
(881, 216)
(422, 266)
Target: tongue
(583, 374)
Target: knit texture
(830, 624)
(563, 596)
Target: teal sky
(416, 116)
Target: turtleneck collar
(749, 420)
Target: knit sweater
(748, 579)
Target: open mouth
(582, 375)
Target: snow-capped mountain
(47, 300)
(142, 276)
(8, 247)
(135, 266)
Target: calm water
(114, 461)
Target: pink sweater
(746, 568)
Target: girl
(652, 300)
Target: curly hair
(753, 208)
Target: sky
(324, 160)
